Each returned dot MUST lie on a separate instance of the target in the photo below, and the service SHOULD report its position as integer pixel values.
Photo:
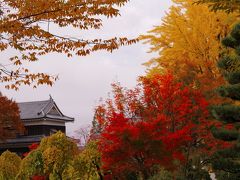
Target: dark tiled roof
(32, 110)
(40, 109)
(20, 142)
(25, 139)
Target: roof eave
(68, 119)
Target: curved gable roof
(40, 109)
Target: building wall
(43, 129)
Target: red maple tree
(150, 125)
(10, 122)
(31, 147)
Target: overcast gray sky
(84, 80)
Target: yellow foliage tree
(87, 165)
(24, 26)
(50, 159)
(31, 165)
(188, 44)
(9, 165)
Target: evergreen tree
(223, 5)
(227, 160)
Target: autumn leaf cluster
(25, 26)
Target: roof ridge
(42, 110)
(32, 101)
